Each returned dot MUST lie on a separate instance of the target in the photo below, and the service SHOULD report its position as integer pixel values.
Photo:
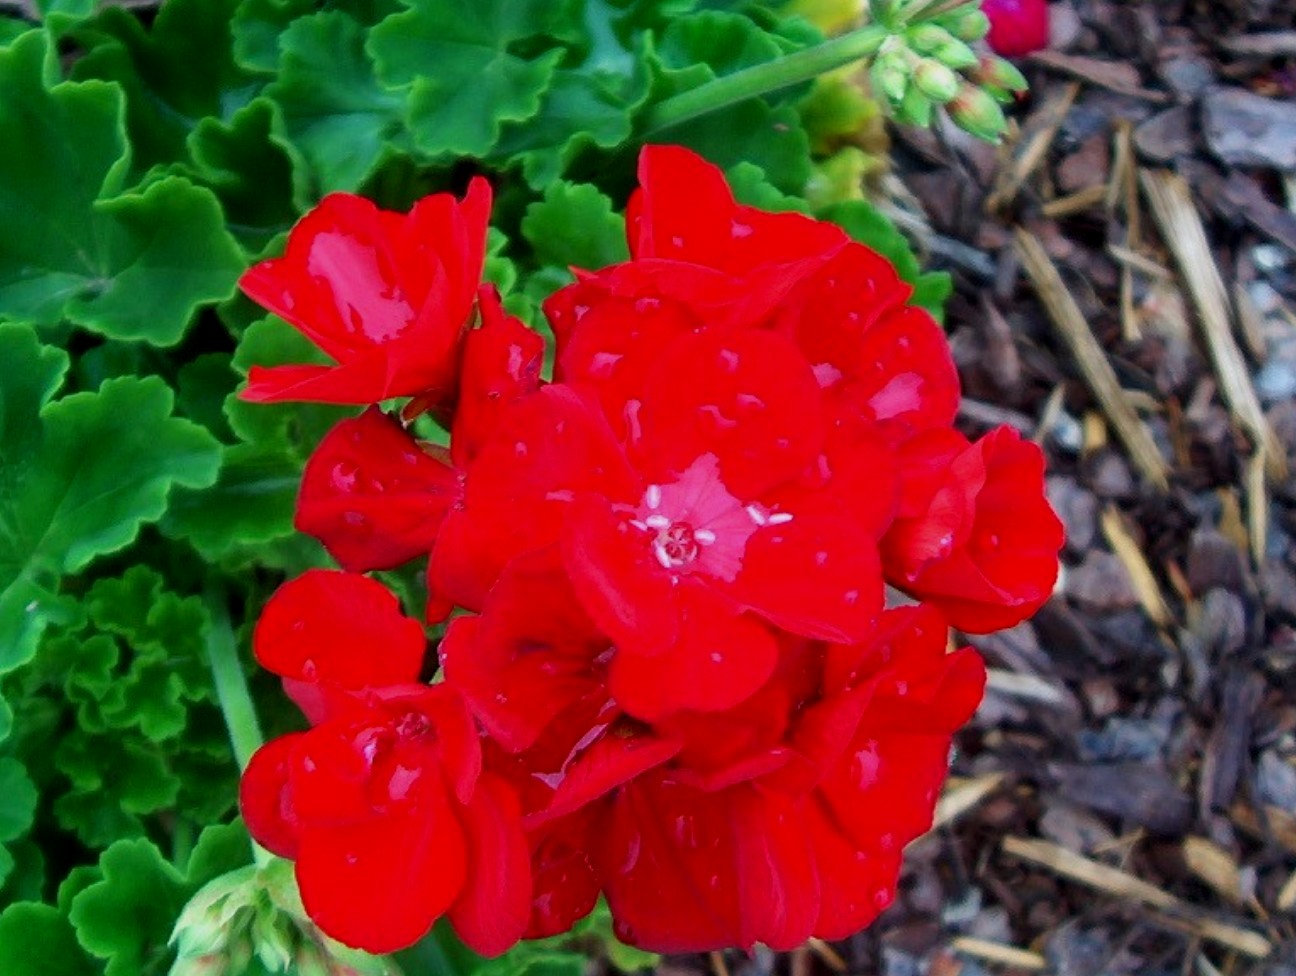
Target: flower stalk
(231, 683)
(918, 56)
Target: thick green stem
(762, 79)
(231, 683)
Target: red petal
(550, 446)
(719, 661)
(622, 587)
(616, 757)
(748, 398)
(814, 575)
(520, 668)
(501, 362)
(385, 294)
(666, 856)
(494, 906)
(906, 377)
(566, 886)
(777, 879)
(340, 628)
(265, 800)
(705, 226)
(381, 884)
(372, 495)
(855, 885)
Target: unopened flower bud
(971, 26)
(890, 76)
(915, 109)
(936, 81)
(927, 38)
(996, 72)
(974, 111)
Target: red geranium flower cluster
(671, 676)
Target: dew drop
(520, 449)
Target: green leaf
(97, 467)
(581, 110)
(256, 28)
(700, 47)
(337, 114)
(38, 940)
(178, 71)
(130, 265)
(126, 917)
(114, 781)
(463, 67)
(17, 800)
(248, 163)
(254, 498)
(575, 226)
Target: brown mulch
(1125, 800)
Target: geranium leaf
(177, 72)
(575, 226)
(81, 481)
(130, 265)
(38, 940)
(126, 917)
(460, 62)
(336, 113)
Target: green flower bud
(972, 26)
(890, 75)
(928, 38)
(976, 112)
(214, 964)
(936, 81)
(955, 54)
(915, 109)
(995, 72)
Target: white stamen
(756, 514)
(778, 518)
(704, 536)
(652, 497)
(657, 522)
(662, 556)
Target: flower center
(677, 544)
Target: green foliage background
(150, 157)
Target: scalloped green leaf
(38, 940)
(464, 66)
(177, 72)
(126, 916)
(80, 481)
(344, 123)
(575, 226)
(131, 265)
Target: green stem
(231, 683)
(232, 691)
(762, 79)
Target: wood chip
(1173, 912)
(958, 800)
(1214, 866)
(1139, 262)
(1078, 202)
(1286, 899)
(1257, 493)
(1272, 44)
(1117, 76)
(1042, 126)
(1024, 686)
(828, 954)
(1070, 322)
(1181, 229)
(997, 952)
(1281, 825)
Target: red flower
(722, 501)
(980, 540)
(376, 497)
(383, 805)
(373, 495)
(386, 295)
(1017, 27)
